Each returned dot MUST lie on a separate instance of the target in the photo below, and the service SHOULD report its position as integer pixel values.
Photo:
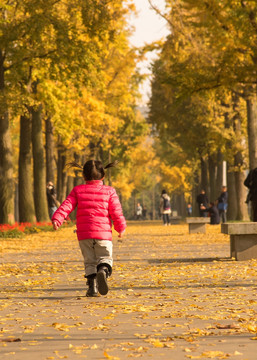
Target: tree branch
(42, 56)
(155, 8)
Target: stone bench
(197, 224)
(243, 239)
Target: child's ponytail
(93, 169)
(74, 164)
(112, 164)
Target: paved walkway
(172, 296)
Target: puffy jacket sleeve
(116, 213)
(66, 208)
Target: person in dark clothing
(51, 198)
(144, 212)
(214, 213)
(251, 183)
(202, 201)
(223, 204)
(165, 207)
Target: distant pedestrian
(189, 209)
(202, 201)
(251, 183)
(51, 199)
(214, 213)
(97, 207)
(165, 207)
(139, 211)
(223, 204)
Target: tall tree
(56, 39)
(49, 146)
(26, 200)
(39, 171)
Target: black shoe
(92, 287)
(101, 277)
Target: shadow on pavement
(190, 260)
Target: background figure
(189, 209)
(51, 198)
(214, 213)
(165, 207)
(139, 211)
(202, 201)
(223, 204)
(94, 232)
(251, 183)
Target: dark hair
(93, 169)
(164, 192)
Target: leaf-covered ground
(172, 296)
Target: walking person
(202, 201)
(223, 204)
(189, 209)
(251, 183)
(165, 207)
(97, 207)
(139, 211)
(51, 199)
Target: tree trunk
(50, 163)
(92, 150)
(25, 187)
(16, 202)
(204, 176)
(39, 165)
(181, 205)
(6, 173)
(195, 192)
(61, 173)
(78, 174)
(242, 211)
(252, 130)
(212, 177)
(219, 178)
(241, 193)
(232, 201)
(6, 163)
(109, 170)
(70, 184)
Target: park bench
(197, 224)
(243, 239)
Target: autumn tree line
(69, 92)
(204, 97)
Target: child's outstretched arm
(64, 210)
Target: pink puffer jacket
(97, 206)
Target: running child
(98, 206)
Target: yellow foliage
(174, 179)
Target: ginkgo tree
(56, 46)
(202, 68)
(33, 32)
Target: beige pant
(95, 252)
